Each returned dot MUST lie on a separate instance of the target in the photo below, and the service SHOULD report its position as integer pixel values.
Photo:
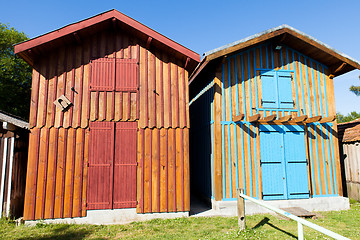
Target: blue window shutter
(268, 88)
(285, 90)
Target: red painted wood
(127, 78)
(100, 163)
(76, 27)
(142, 134)
(125, 165)
(182, 170)
(167, 170)
(102, 74)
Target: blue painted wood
(272, 165)
(333, 157)
(256, 87)
(308, 86)
(229, 159)
(255, 161)
(296, 163)
(320, 92)
(327, 138)
(325, 94)
(250, 165)
(236, 158)
(236, 86)
(268, 88)
(285, 90)
(249, 78)
(313, 85)
(283, 162)
(243, 85)
(243, 156)
(296, 89)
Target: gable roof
(338, 62)
(76, 31)
(349, 131)
(14, 120)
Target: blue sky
(205, 25)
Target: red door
(125, 165)
(112, 165)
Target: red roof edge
(27, 45)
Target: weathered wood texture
(161, 100)
(58, 153)
(14, 153)
(241, 93)
(163, 172)
(351, 164)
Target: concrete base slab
(228, 208)
(114, 216)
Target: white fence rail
(300, 221)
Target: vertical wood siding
(59, 141)
(241, 92)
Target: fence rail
(300, 221)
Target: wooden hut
(13, 161)
(109, 119)
(349, 138)
(263, 118)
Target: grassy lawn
(346, 223)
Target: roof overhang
(338, 62)
(75, 32)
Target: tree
(355, 89)
(15, 74)
(351, 116)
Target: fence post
(241, 209)
(300, 231)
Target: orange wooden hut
(109, 119)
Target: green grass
(267, 226)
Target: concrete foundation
(115, 216)
(228, 208)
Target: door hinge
(88, 164)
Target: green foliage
(351, 116)
(355, 89)
(15, 74)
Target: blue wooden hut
(262, 114)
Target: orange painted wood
(67, 212)
(163, 170)
(155, 160)
(147, 168)
(85, 172)
(50, 178)
(41, 175)
(140, 172)
(31, 176)
(186, 171)
(171, 171)
(178, 172)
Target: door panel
(283, 162)
(99, 190)
(296, 165)
(125, 165)
(272, 169)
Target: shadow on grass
(62, 232)
(266, 221)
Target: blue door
(283, 162)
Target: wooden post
(241, 209)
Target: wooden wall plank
(51, 177)
(186, 170)
(171, 171)
(31, 175)
(85, 172)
